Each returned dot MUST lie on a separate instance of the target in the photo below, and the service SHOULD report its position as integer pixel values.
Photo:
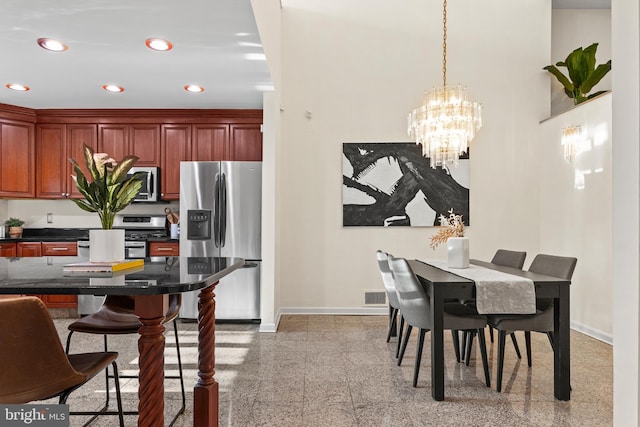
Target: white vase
(106, 245)
(458, 252)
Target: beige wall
(357, 79)
(575, 211)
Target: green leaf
(589, 55)
(561, 77)
(595, 77)
(593, 95)
(120, 172)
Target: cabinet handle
(59, 249)
(164, 249)
(63, 194)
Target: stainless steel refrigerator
(220, 215)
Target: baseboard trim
(348, 311)
(593, 333)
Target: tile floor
(335, 371)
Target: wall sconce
(572, 141)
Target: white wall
(575, 211)
(573, 28)
(625, 26)
(359, 78)
(268, 20)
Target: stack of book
(103, 269)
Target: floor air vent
(375, 297)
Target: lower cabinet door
(60, 301)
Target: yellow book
(104, 267)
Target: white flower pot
(106, 245)
(458, 252)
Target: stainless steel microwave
(150, 191)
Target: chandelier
(447, 120)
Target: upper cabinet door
(246, 142)
(144, 142)
(77, 136)
(17, 159)
(176, 147)
(113, 140)
(210, 142)
(51, 161)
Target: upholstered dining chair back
(509, 258)
(552, 265)
(387, 278)
(412, 297)
(34, 365)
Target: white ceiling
(212, 40)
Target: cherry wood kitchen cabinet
(245, 142)
(8, 250)
(175, 145)
(164, 249)
(29, 249)
(59, 248)
(210, 142)
(17, 159)
(55, 145)
(141, 140)
(227, 142)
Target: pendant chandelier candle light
(446, 121)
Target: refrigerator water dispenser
(199, 224)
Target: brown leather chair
(34, 364)
(117, 317)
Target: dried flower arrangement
(453, 226)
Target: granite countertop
(62, 235)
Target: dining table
(441, 286)
(151, 286)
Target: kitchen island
(151, 286)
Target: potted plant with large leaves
(583, 73)
(109, 191)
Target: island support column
(151, 310)
(205, 393)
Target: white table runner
(496, 292)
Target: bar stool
(117, 317)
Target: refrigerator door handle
(216, 212)
(223, 210)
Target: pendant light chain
(444, 43)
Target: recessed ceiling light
(52, 44)
(194, 88)
(18, 87)
(158, 44)
(113, 88)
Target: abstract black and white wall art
(392, 184)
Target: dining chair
(542, 320)
(117, 317)
(34, 364)
(416, 310)
(392, 297)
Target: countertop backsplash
(65, 214)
